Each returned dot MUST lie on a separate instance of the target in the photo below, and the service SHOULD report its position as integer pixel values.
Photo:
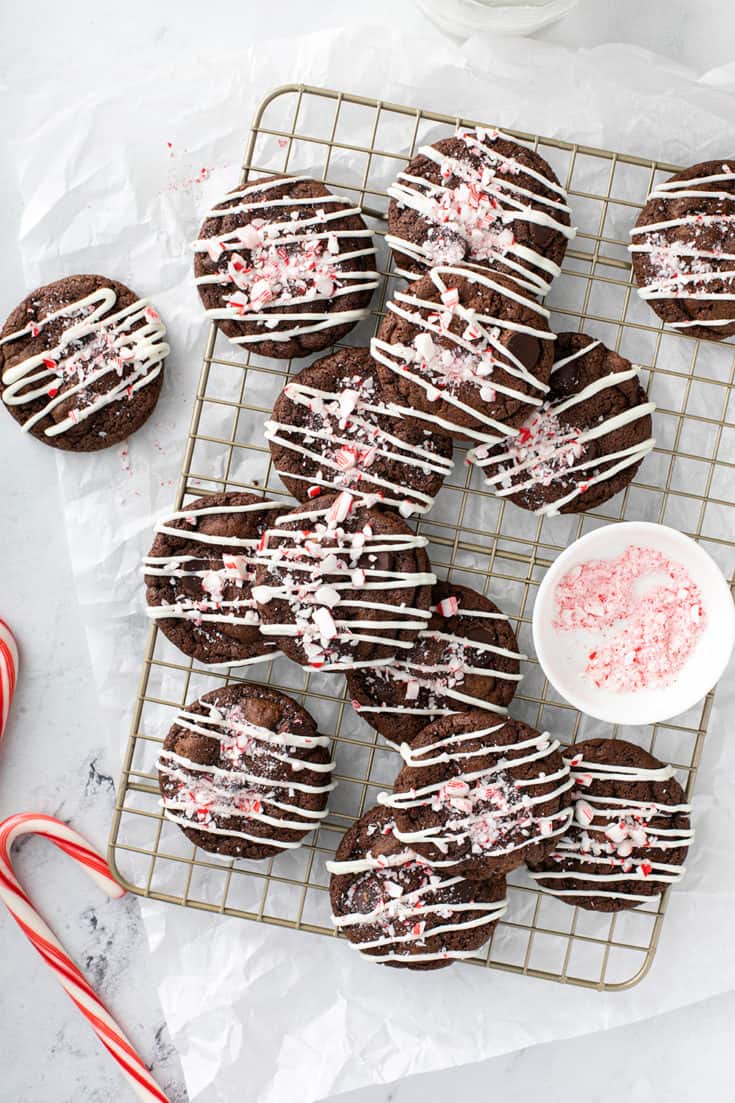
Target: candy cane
(51, 950)
(8, 672)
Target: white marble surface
(55, 758)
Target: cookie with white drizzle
(585, 444)
(630, 832)
(331, 430)
(683, 250)
(244, 772)
(466, 658)
(468, 351)
(400, 910)
(81, 362)
(342, 584)
(480, 198)
(284, 267)
(483, 796)
(199, 575)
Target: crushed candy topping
(644, 614)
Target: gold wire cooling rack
(357, 146)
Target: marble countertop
(55, 758)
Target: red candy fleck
(339, 509)
(448, 607)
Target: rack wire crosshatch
(357, 146)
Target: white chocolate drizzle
(201, 796)
(477, 353)
(125, 348)
(473, 219)
(290, 262)
(683, 270)
(321, 567)
(444, 679)
(237, 569)
(487, 812)
(405, 915)
(546, 451)
(614, 836)
(349, 437)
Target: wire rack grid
(357, 146)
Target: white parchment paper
(119, 187)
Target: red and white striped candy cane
(51, 950)
(8, 672)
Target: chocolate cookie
(467, 351)
(244, 772)
(342, 584)
(284, 267)
(585, 444)
(199, 574)
(331, 428)
(683, 248)
(483, 199)
(400, 910)
(630, 832)
(81, 362)
(466, 658)
(482, 796)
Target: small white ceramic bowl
(561, 654)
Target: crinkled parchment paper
(119, 186)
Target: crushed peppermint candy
(319, 573)
(104, 354)
(543, 450)
(644, 614)
(448, 606)
(244, 786)
(467, 212)
(450, 368)
(389, 900)
(486, 815)
(295, 265)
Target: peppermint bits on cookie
(400, 910)
(465, 658)
(584, 444)
(244, 772)
(683, 250)
(482, 199)
(481, 797)
(341, 583)
(332, 429)
(473, 365)
(630, 832)
(81, 363)
(285, 268)
(199, 575)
